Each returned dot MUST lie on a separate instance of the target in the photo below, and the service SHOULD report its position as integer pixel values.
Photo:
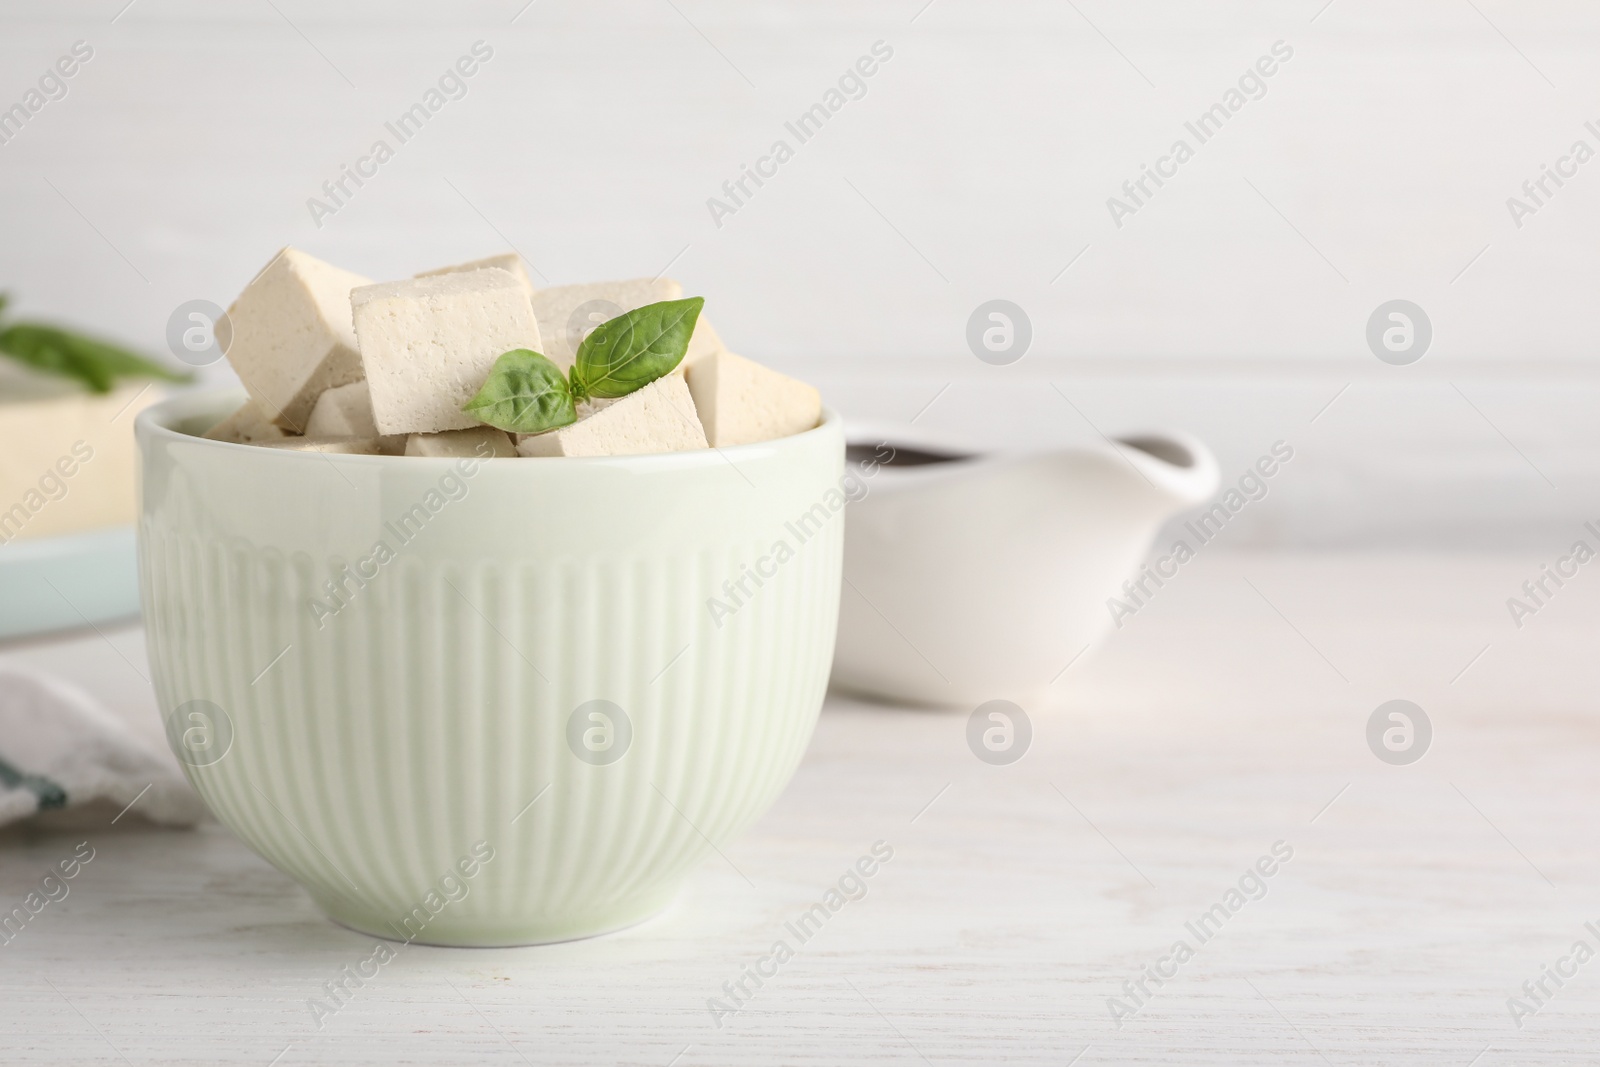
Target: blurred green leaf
(97, 364)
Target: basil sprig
(526, 393)
(95, 363)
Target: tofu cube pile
(336, 363)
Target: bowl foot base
(478, 931)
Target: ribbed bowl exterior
(401, 741)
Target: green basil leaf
(524, 393)
(42, 350)
(635, 348)
(94, 363)
(118, 361)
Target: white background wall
(977, 165)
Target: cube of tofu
(567, 313)
(291, 335)
(509, 261)
(346, 411)
(343, 411)
(481, 441)
(658, 418)
(428, 344)
(68, 459)
(702, 343)
(349, 446)
(739, 401)
(247, 426)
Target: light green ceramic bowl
(491, 703)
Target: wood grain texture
(1213, 724)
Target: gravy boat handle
(1173, 462)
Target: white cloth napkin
(60, 748)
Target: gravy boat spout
(972, 576)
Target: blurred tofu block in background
(69, 456)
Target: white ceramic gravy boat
(971, 576)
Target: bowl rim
(154, 423)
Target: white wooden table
(1229, 715)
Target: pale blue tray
(60, 583)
